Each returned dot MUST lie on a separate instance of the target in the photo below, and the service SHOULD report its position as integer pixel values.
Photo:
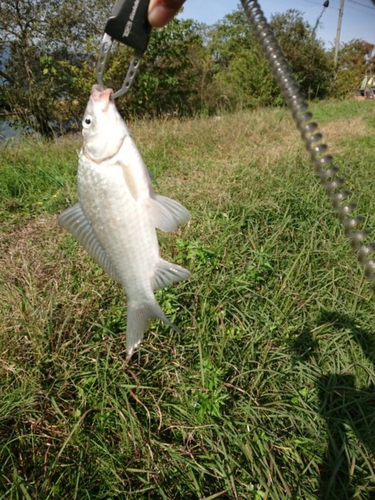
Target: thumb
(160, 12)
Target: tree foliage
(168, 82)
(243, 73)
(48, 53)
(306, 55)
(242, 77)
(42, 42)
(356, 59)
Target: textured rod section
(311, 137)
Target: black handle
(128, 24)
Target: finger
(160, 12)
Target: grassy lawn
(269, 393)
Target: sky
(358, 18)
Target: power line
(361, 11)
(348, 7)
(362, 5)
(320, 4)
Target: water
(71, 126)
(7, 132)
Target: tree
(242, 77)
(242, 73)
(310, 62)
(168, 81)
(44, 41)
(356, 59)
(53, 48)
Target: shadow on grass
(349, 413)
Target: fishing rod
(312, 139)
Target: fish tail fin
(138, 319)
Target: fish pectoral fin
(131, 182)
(167, 273)
(138, 319)
(167, 214)
(74, 221)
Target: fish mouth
(103, 96)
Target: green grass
(269, 393)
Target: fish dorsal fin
(74, 221)
(167, 214)
(167, 273)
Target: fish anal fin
(167, 273)
(74, 221)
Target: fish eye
(87, 121)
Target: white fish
(118, 211)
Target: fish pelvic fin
(167, 214)
(139, 316)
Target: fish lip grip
(127, 24)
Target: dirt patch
(30, 248)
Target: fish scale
(118, 212)
(100, 182)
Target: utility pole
(338, 32)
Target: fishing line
(312, 139)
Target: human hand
(160, 12)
